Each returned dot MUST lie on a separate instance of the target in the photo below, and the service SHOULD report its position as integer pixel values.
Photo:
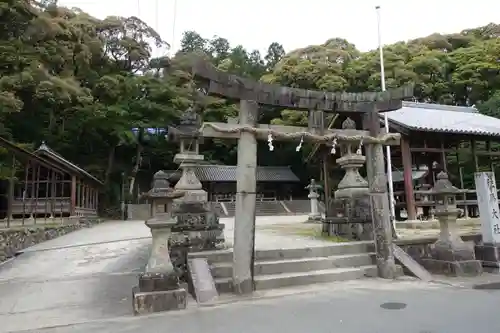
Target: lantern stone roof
(443, 185)
(161, 188)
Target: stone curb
(14, 241)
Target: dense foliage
(81, 84)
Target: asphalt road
(352, 307)
(82, 282)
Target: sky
(295, 24)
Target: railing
(424, 201)
(230, 197)
(40, 207)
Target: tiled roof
(44, 150)
(444, 119)
(227, 173)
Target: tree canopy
(82, 84)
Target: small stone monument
(198, 227)
(488, 252)
(313, 196)
(350, 211)
(159, 288)
(450, 255)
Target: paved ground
(349, 307)
(89, 274)
(82, 282)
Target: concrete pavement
(89, 274)
(82, 281)
(84, 275)
(346, 307)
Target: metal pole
(386, 121)
(174, 22)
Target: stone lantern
(350, 214)
(450, 255)
(198, 227)
(313, 188)
(159, 288)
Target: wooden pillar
(91, 197)
(37, 190)
(326, 181)
(408, 178)
(85, 196)
(78, 197)
(444, 162)
(12, 184)
(381, 215)
(25, 191)
(53, 192)
(474, 155)
(244, 221)
(461, 176)
(63, 195)
(490, 160)
(32, 196)
(73, 196)
(96, 200)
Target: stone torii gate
(251, 94)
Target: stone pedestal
(159, 288)
(450, 255)
(489, 255)
(314, 215)
(350, 215)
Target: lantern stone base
(453, 268)
(158, 301)
(158, 292)
(489, 255)
(453, 258)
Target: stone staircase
(262, 208)
(293, 267)
(298, 206)
(269, 208)
(217, 208)
(231, 208)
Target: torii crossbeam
(252, 94)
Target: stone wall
(13, 240)
(420, 248)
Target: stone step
(217, 208)
(221, 256)
(262, 208)
(272, 281)
(224, 269)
